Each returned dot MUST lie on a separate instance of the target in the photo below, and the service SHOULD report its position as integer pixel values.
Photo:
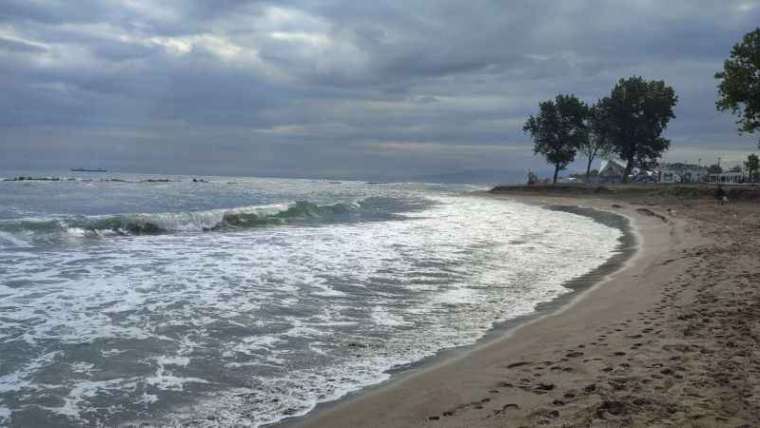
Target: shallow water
(244, 301)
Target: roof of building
(611, 168)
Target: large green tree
(636, 113)
(739, 88)
(598, 143)
(558, 130)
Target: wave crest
(19, 233)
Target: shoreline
(324, 414)
(669, 340)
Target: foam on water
(249, 326)
(5, 415)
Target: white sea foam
(173, 361)
(382, 317)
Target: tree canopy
(635, 115)
(739, 87)
(598, 142)
(559, 130)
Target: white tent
(611, 169)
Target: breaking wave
(31, 231)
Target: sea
(155, 300)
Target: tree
(753, 166)
(739, 88)
(598, 142)
(558, 130)
(714, 169)
(636, 114)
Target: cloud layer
(340, 88)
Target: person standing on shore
(721, 195)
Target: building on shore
(730, 177)
(681, 173)
(610, 172)
(613, 172)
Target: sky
(343, 88)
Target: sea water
(242, 301)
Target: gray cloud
(328, 87)
(11, 45)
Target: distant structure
(682, 173)
(730, 177)
(610, 172)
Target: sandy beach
(669, 339)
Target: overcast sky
(342, 88)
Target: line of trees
(628, 123)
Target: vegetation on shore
(739, 87)
(630, 122)
(753, 167)
(559, 130)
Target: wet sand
(670, 339)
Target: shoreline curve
(338, 413)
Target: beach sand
(670, 339)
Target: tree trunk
(628, 170)
(556, 172)
(588, 167)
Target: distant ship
(88, 170)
